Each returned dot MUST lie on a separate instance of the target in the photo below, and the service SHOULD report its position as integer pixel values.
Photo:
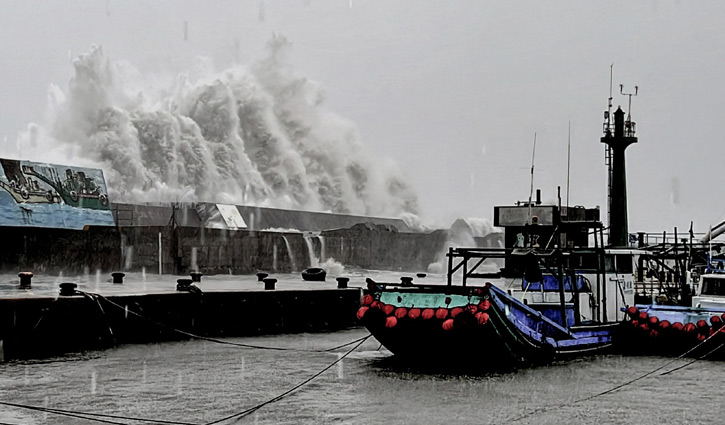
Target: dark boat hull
(512, 334)
(673, 331)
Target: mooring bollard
(261, 276)
(68, 289)
(406, 281)
(183, 284)
(269, 283)
(421, 275)
(25, 278)
(118, 277)
(342, 282)
(196, 276)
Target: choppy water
(201, 382)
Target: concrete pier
(39, 322)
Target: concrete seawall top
(47, 286)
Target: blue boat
(694, 329)
(527, 313)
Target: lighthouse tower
(618, 138)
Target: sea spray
(290, 253)
(314, 261)
(257, 135)
(464, 233)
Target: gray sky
(454, 91)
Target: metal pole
(160, 269)
(599, 283)
(562, 297)
(602, 266)
(450, 265)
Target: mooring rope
(704, 356)
(219, 341)
(99, 417)
(631, 381)
(107, 418)
(95, 417)
(253, 409)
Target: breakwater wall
(43, 327)
(213, 251)
(221, 251)
(175, 240)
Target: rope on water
(219, 341)
(704, 356)
(96, 417)
(253, 409)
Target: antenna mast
(628, 124)
(568, 166)
(531, 192)
(608, 148)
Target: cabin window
(624, 263)
(620, 263)
(584, 261)
(712, 286)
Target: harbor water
(201, 382)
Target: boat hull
(486, 329)
(673, 331)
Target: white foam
(257, 135)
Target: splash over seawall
(256, 135)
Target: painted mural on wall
(51, 195)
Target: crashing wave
(254, 135)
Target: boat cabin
(549, 244)
(709, 288)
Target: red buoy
(472, 308)
(414, 313)
(361, 312)
(653, 320)
(367, 299)
(632, 311)
(677, 326)
(702, 323)
(376, 304)
(388, 309)
(716, 323)
(484, 305)
(653, 333)
(701, 337)
(690, 327)
(481, 317)
(448, 325)
(428, 313)
(441, 313)
(665, 324)
(456, 311)
(401, 312)
(634, 323)
(643, 315)
(390, 321)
